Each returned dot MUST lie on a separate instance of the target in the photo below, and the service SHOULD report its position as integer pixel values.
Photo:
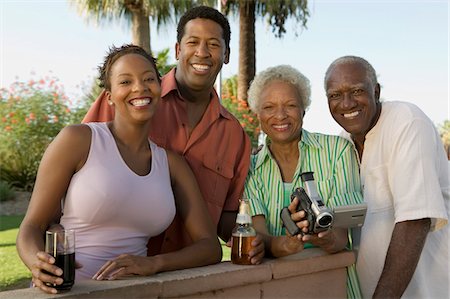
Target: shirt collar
(307, 140)
(169, 84)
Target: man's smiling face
(201, 54)
(353, 99)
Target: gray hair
(370, 71)
(284, 73)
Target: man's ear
(377, 92)
(227, 56)
(177, 50)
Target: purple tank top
(112, 209)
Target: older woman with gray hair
(280, 96)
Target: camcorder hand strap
(356, 240)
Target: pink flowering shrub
(31, 115)
(240, 109)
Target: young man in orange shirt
(191, 121)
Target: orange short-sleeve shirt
(218, 152)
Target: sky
(407, 42)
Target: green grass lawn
(226, 252)
(13, 273)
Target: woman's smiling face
(281, 112)
(135, 89)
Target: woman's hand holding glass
(45, 273)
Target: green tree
(31, 115)
(276, 12)
(162, 62)
(444, 130)
(88, 97)
(239, 108)
(137, 12)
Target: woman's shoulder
(76, 133)
(160, 152)
(73, 139)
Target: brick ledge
(218, 280)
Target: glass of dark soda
(61, 245)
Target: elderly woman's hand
(323, 239)
(257, 252)
(298, 217)
(286, 245)
(332, 240)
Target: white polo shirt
(405, 176)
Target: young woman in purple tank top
(133, 88)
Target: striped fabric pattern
(336, 174)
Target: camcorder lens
(325, 220)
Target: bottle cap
(244, 212)
(244, 207)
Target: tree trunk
(247, 51)
(140, 29)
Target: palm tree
(277, 12)
(137, 12)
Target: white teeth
(201, 67)
(350, 115)
(280, 127)
(140, 102)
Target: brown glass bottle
(242, 236)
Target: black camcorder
(319, 216)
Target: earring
(110, 103)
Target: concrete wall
(309, 274)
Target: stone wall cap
(201, 279)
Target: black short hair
(205, 12)
(115, 53)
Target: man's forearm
(407, 241)
(226, 224)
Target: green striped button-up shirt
(336, 174)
